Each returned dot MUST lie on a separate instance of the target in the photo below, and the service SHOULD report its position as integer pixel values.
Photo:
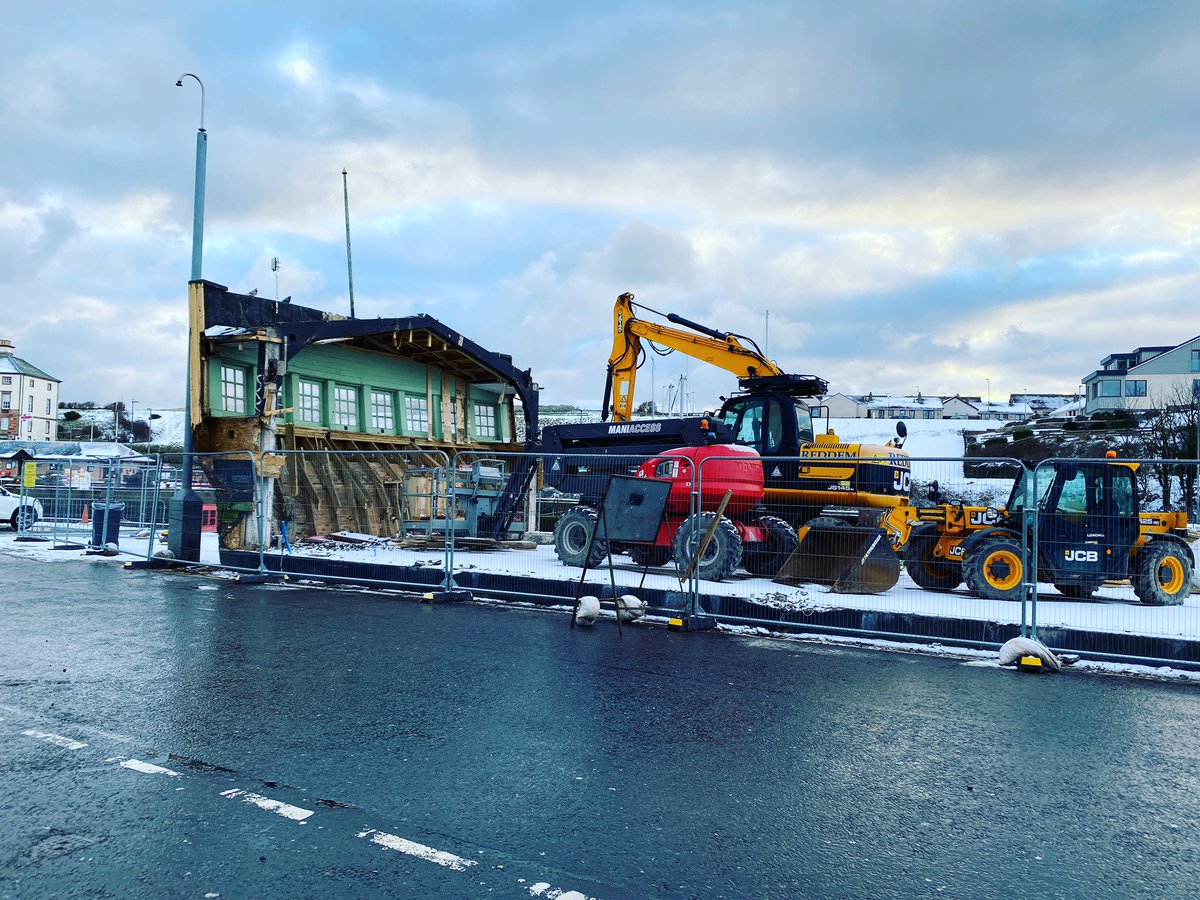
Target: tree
(648, 408)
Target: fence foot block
(445, 596)
(691, 623)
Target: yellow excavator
(803, 472)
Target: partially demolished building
(315, 397)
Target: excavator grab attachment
(851, 559)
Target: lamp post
(989, 398)
(183, 522)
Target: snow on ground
(166, 429)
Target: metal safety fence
(1094, 556)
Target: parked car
(17, 511)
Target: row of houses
(1017, 408)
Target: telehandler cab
(1090, 529)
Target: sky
(929, 196)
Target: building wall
(1161, 381)
(32, 407)
(390, 395)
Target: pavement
(175, 736)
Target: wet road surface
(164, 735)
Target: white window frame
(233, 389)
(383, 411)
(310, 401)
(345, 406)
(416, 415)
(485, 421)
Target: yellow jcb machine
(1090, 529)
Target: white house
(1145, 378)
(28, 399)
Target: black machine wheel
(827, 522)
(1078, 590)
(767, 557)
(648, 554)
(1164, 574)
(993, 569)
(23, 517)
(723, 553)
(571, 534)
(928, 571)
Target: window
(416, 415)
(310, 401)
(47, 407)
(29, 405)
(345, 407)
(47, 427)
(1196, 360)
(1135, 388)
(485, 420)
(233, 389)
(1110, 388)
(381, 410)
(7, 379)
(6, 400)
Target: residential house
(1145, 378)
(28, 399)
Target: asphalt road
(172, 736)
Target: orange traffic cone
(86, 516)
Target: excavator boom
(717, 348)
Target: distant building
(1145, 378)
(28, 399)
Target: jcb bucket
(850, 559)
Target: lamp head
(179, 83)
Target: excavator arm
(717, 348)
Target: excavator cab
(772, 424)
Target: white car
(17, 513)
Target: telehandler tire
(767, 558)
(1164, 574)
(931, 572)
(571, 534)
(723, 553)
(993, 569)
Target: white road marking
(148, 768)
(412, 848)
(55, 739)
(276, 806)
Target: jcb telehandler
(1090, 529)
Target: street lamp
(183, 523)
(989, 398)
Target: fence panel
(1113, 560)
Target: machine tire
(767, 557)
(1164, 574)
(724, 551)
(928, 571)
(1078, 590)
(23, 517)
(827, 522)
(993, 569)
(571, 536)
(649, 554)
